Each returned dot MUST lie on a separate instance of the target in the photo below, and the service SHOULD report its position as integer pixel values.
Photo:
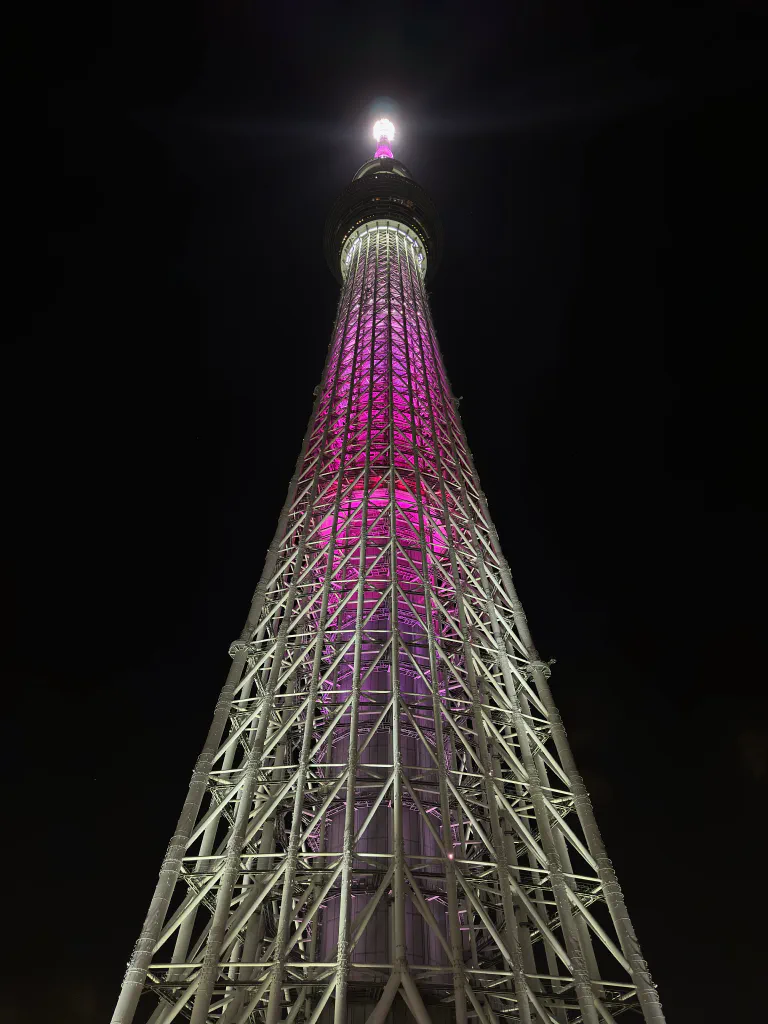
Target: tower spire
(384, 133)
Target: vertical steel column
(399, 957)
(457, 960)
(321, 844)
(254, 928)
(400, 952)
(342, 955)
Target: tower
(386, 822)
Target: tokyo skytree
(386, 823)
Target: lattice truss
(386, 822)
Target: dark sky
(601, 307)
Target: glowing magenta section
(383, 132)
(381, 420)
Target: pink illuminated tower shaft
(386, 824)
(388, 390)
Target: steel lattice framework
(386, 822)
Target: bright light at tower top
(383, 132)
(384, 129)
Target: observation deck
(383, 190)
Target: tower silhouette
(386, 822)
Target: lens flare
(384, 129)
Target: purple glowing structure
(384, 133)
(386, 822)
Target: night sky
(601, 308)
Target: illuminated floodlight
(383, 132)
(384, 129)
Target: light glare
(384, 129)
